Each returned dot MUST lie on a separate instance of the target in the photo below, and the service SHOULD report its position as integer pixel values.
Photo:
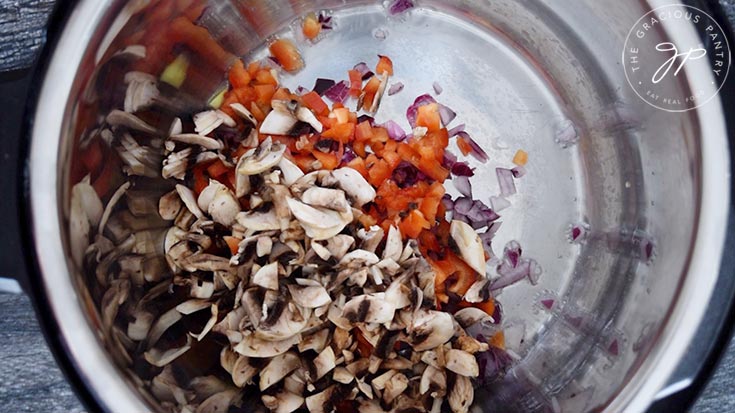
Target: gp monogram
(655, 68)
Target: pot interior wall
(521, 75)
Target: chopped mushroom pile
(271, 253)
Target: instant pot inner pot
(607, 206)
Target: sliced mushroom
(220, 203)
(219, 402)
(259, 221)
(399, 293)
(309, 296)
(333, 199)
(128, 120)
(319, 224)
(192, 306)
(462, 363)
(208, 121)
(307, 116)
(461, 395)
(470, 344)
(470, 245)
(263, 246)
(175, 165)
(244, 113)
(370, 238)
(267, 276)
(290, 322)
(138, 329)
(187, 196)
(261, 159)
(379, 94)
(324, 362)
(431, 329)
(478, 292)
(199, 140)
(142, 91)
(342, 375)
(228, 359)
(380, 382)
(358, 259)
(354, 185)
(161, 358)
(321, 251)
(395, 387)
(207, 386)
(369, 308)
(282, 402)
(339, 245)
(278, 368)
(393, 245)
(295, 383)
(316, 342)
(163, 323)
(469, 316)
(251, 346)
(319, 403)
(278, 122)
(242, 181)
(214, 309)
(114, 199)
(289, 171)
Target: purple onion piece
(463, 205)
(449, 160)
(456, 130)
(487, 241)
(512, 253)
(364, 70)
(437, 88)
(399, 6)
(406, 175)
(395, 131)
(322, 85)
(447, 202)
(348, 156)
(462, 169)
(413, 110)
(548, 303)
(463, 185)
(518, 172)
(493, 363)
(511, 275)
(339, 92)
(395, 88)
(446, 114)
(535, 271)
(499, 203)
(363, 118)
(477, 151)
(481, 214)
(505, 180)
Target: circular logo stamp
(657, 67)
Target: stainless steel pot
(650, 187)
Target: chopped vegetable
(399, 6)
(521, 158)
(175, 72)
(286, 54)
(311, 26)
(385, 65)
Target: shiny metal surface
(515, 72)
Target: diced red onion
(447, 202)
(406, 175)
(463, 205)
(399, 6)
(413, 110)
(348, 156)
(323, 85)
(487, 241)
(395, 88)
(446, 114)
(463, 185)
(462, 169)
(512, 253)
(449, 160)
(518, 171)
(437, 88)
(477, 151)
(364, 70)
(578, 232)
(493, 364)
(395, 131)
(511, 275)
(499, 203)
(493, 228)
(566, 134)
(505, 180)
(456, 130)
(301, 91)
(481, 213)
(363, 118)
(339, 92)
